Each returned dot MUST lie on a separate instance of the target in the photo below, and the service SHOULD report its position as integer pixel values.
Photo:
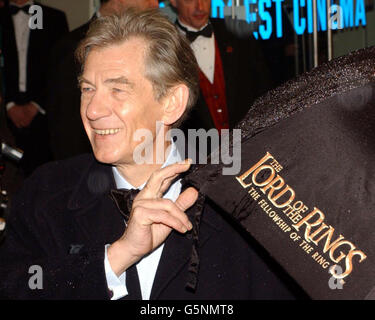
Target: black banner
(306, 189)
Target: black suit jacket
(65, 206)
(246, 77)
(40, 43)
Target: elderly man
(63, 96)
(233, 72)
(137, 70)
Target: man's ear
(175, 104)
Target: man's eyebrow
(119, 80)
(83, 80)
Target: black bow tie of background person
(192, 35)
(14, 9)
(123, 199)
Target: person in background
(233, 72)
(63, 96)
(26, 50)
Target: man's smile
(103, 132)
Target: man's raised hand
(152, 218)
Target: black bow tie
(123, 199)
(192, 35)
(14, 9)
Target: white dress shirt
(204, 51)
(148, 265)
(22, 34)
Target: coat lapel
(177, 252)
(97, 218)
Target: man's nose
(97, 107)
(200, 4)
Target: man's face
(141, 4)
(194, 13)
(117, 100)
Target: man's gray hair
(169, 60)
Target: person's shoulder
(52, 183)
(79, 32)
(62, 173)
(76, 163)
(49, 11)
(218, 24)
(217, 21)
(222, 31)
(237, 31)
(55, 22)
(69, 41)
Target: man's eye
(86, 89)
(117, 90)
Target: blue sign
(267, 15)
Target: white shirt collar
(191, 28)
(122, 183)
(204, 51)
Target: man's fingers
(187, 199)
(161, 179)
(166, 183)
(156, 216)
(167, 206)
(169, 220)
